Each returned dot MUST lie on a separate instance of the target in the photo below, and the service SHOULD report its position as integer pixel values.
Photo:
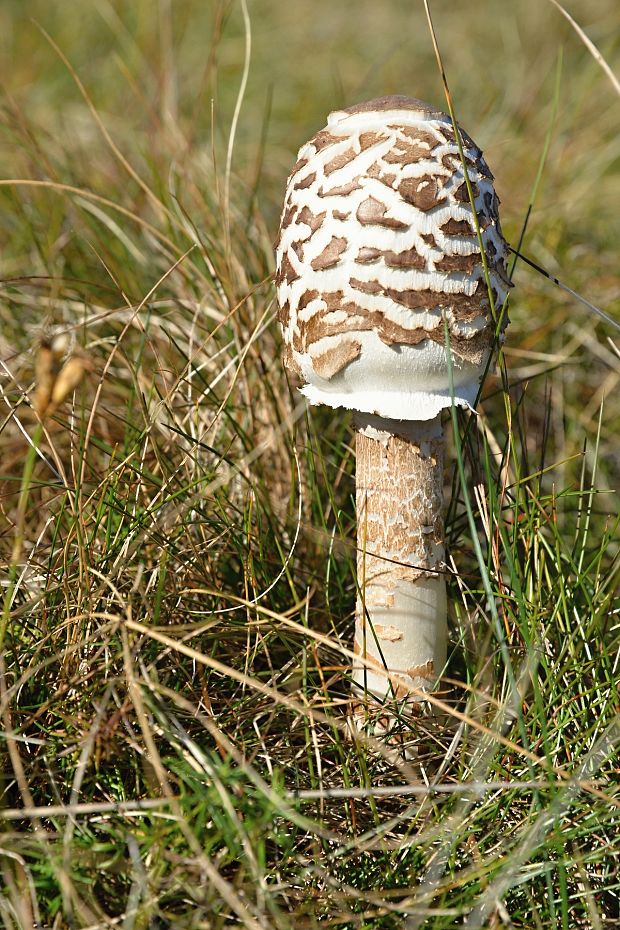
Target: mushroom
(378, 258)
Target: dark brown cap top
(393, 102)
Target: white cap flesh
(378, 253)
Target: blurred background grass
(170, 486)
(164, 77)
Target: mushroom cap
(378, 253)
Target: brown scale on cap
(382, 191)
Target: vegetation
(177, 530)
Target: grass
(177, 535)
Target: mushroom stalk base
(401, 618)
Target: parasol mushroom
(377, 254)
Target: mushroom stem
(401, 616)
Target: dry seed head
(68, 378)
(54, 381)
(377, 247)
(46, 368)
